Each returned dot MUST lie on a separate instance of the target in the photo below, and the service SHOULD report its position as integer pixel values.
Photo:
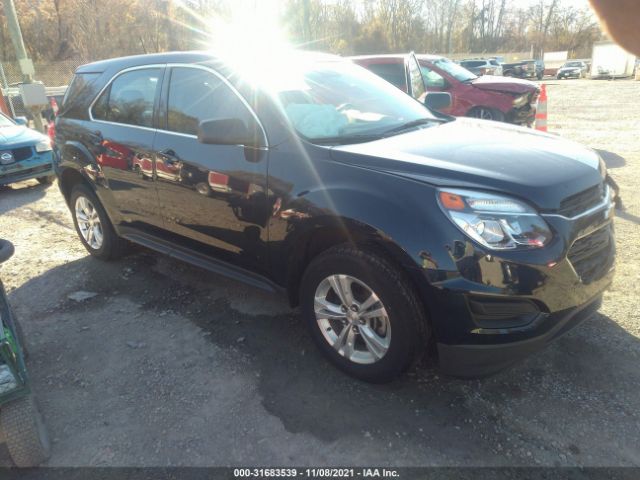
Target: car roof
(121, 63)
(372, 57)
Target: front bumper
(38, 165)
(480, 360)
(495, 308)
(573, 74)
(524, 115)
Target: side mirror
(437, 100)
(21, 121)
(225, 131)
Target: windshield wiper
(408, 126)
(346, 139)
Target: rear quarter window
(79, 95)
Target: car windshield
(5, 122)
(456, 71)
(336, 101)
(572, 64)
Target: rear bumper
(40, 165)
(481, 360)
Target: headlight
(43, 146)
(521, 100)
(495, 221)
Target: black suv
(398, 230)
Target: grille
(22, 153)
(592, 256)
(578, 203)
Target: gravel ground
(171, 365)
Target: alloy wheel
(352, 319)
(89, 222)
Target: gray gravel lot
(171, 365)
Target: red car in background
(491, 98)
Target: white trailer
(610, 60)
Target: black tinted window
(474, 63)
(129, 99)
(78, 95)
(392, 72)
(196, 95)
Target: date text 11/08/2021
(316, 472)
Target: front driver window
(196, 95)
(432, 79)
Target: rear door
(213, 197)
(122, 138)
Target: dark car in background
(572, 69)
(487, 97)
(524, 69)
(482, 66)
(397, 230)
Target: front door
(212, 197)
(122, 138)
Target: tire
(48, 180)
(109, 245)
(404, 328)
(486, 113)
(24, 432)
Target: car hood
(540, 168)
(18, 136)
(503, 84)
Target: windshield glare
(572, 64)
(340, 101)
(5, 122)
(456, 71)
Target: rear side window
(196, 95)
(392, 72)
(129, 99)
(79, 95)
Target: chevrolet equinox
(398, 230)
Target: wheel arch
(75, 160)
(70, 177)
(328, 232)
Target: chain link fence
(54, 75)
